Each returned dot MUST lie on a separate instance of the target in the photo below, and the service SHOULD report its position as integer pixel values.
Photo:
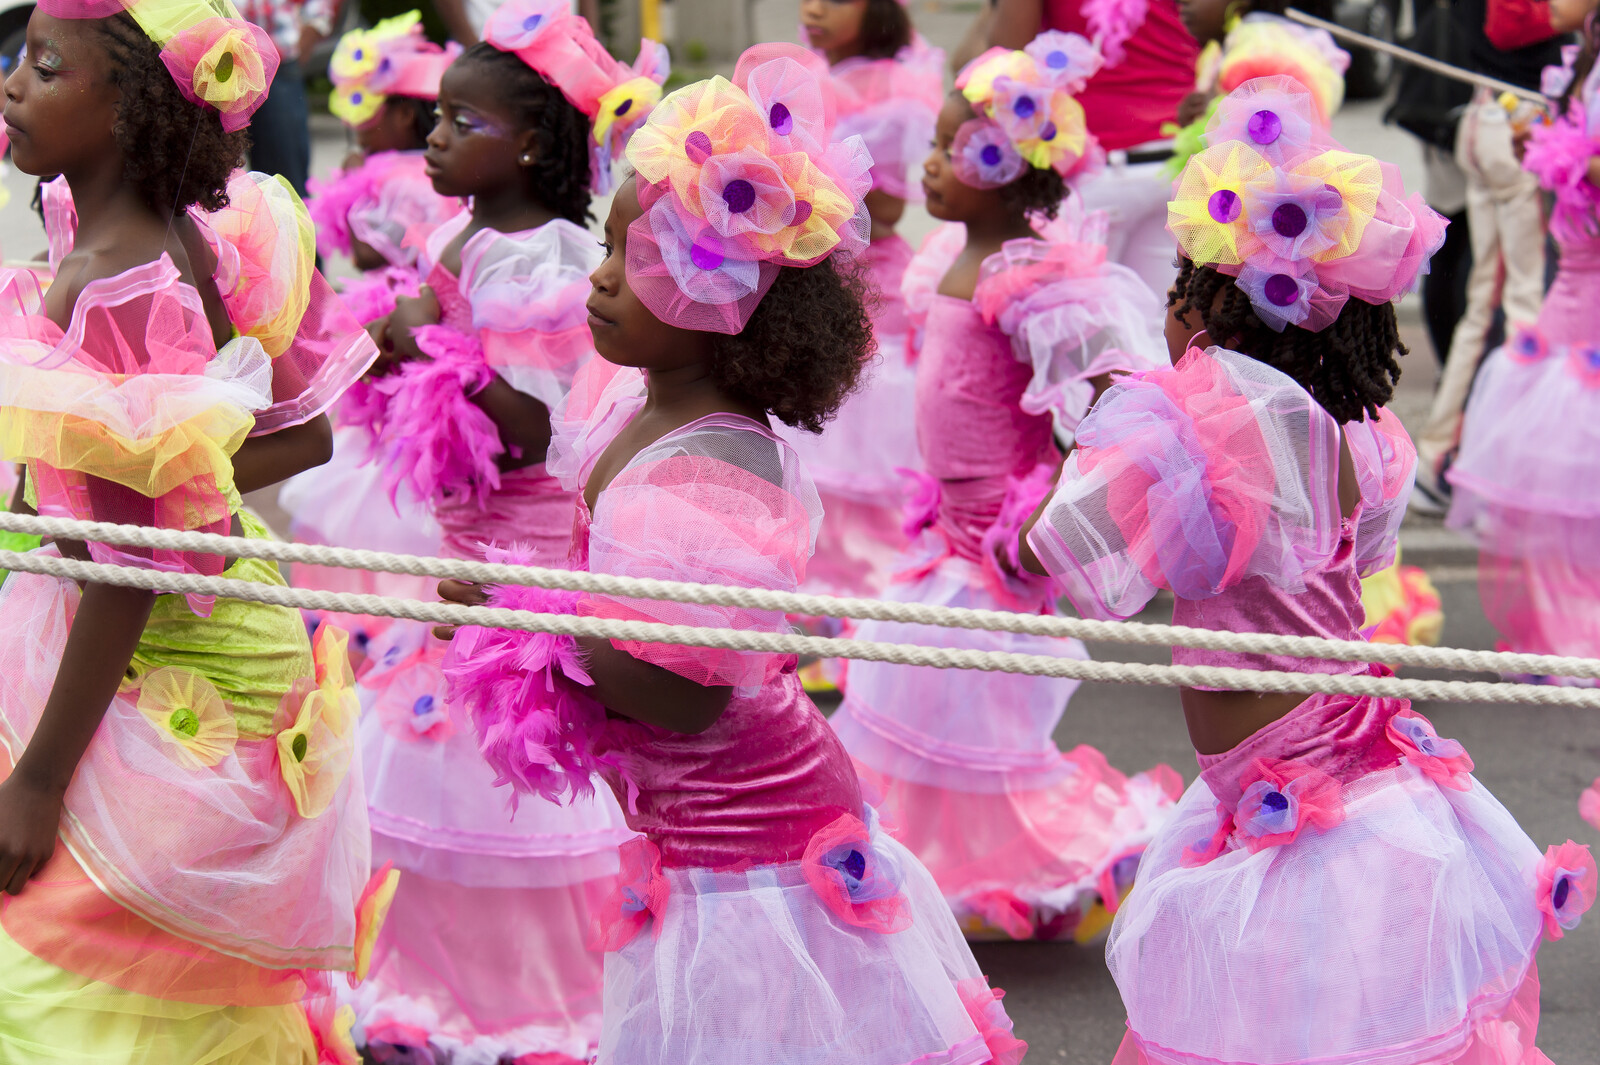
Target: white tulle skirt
(1404, 935)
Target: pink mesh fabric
(891, 104)
(1385, 461)
(560, 46)
(736, 180)
(1193, 479)
(385, 203)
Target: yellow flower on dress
(314, 750)
(371, 910)
(190, 715)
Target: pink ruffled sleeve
(1193, 479)
(602, 399)
(1070, 315)
(927, 268)
(1385, 461)
(720, 502)
(265, 247)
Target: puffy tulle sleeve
(1385, 462)
(266, 272)
(387, 203)
(927, 268)
(1193, 479)
(722, 501)
(892, 105)
(528, 293)
(131, 414)
(602, 399)
(1070, 315)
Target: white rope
(787, 643)
(1125, 632)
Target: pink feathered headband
(1303, 224)
(562, 48)
(737, 180)
(217, 59)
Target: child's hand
(463, 592)
(1192, 107)
(411, 313)
(30, 816)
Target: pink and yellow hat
(738, 180)
(393, 58)
(1303, 224)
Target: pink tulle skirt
(1403, 935)
(753, 966)
(1021, 838)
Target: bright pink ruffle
(330, 203)
(1558, 154)
(983, 1006)
(1283, 798)
(859, 884)
(1565, 887)
(1441, 760)
(1589, 804)
(640, 896)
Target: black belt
(1150, 155)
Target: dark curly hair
(1035, 192)
(1349, 367)
(175, 153)
(804, 348)
(885, 29)
(559, 176)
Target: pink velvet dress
(891, 104)
(485, 953)
(1021, 838)
(388, 204)
(1338, 887)
(1525, 480)
(763, 916)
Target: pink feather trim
(1558, 155)
(1112, 22)
(433, 435)
(536, 724)
(372, 295)
(330, 203)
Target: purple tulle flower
(858, 881)
(705, 267)
(984, 156)
(1282, 798)
(1022, 109)
(1527, 345)
(518, 23)
(1565, 884)
(1068, 60)
(1444, 761)
(1279, 291)
(1276, 117)
(1300, 218)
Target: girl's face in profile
(475, 146)
(61, 106)
(950, 199)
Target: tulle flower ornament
(860, 883)
(563, 49)
(372, 908)
(1444, 761)
(314, 748)
(1584, 363)
(1281, 799)
(1205, 848)
(737, 180)
(190, 715)
(640, 896)
(226, 64)
(1527, 345)
(1026, 113)
(1274, 201)
(393, 58)
(1564, 886)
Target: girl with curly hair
(1018, 333)
(888, 85)
(182, 833)
(459, 411)
(1335, 849)
(761, 913)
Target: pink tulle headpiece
(737, 180)
(561, 47)
(393, 58)
(1303, 224)
(217, 59)
(1026, 112)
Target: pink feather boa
(1018, 588)
(372, 295)
(431, 433)
(536, 724)
(330, 203)
(1558, 155)
(1112, 22)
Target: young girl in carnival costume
(888, 85)
(195, 756)
(1337, 886)
(487, 954)
(1525, 477)
(1018, 332)
(385, 84)
(762, 916)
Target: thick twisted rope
(1126, 632)
(788, 643)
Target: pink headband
(392, 58)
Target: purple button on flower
(705, 258)
(1048, 133)
(1265, 127)
(1289, 220)
(359, 54)
(1024, 107)
(623, 108)
(1056, 60)
(855, 865)
(531, 23)
(423, 705)
(1563, 889)
(1281, 291)
(739, 195)
(802, 211)
(990, 154)
(356, 97)
(697, 146)
(1275, 801)
(780, 120)
(1224, 206)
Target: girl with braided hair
(486, 954)
(1336, 885)
(183, 837)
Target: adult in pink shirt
(1125, 103)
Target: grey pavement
(1535, 760)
